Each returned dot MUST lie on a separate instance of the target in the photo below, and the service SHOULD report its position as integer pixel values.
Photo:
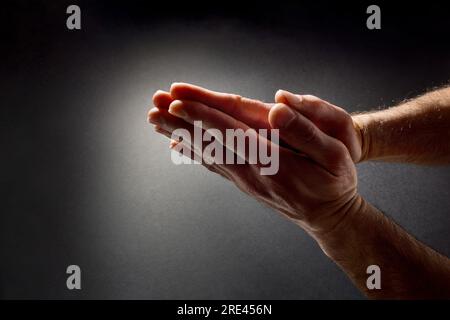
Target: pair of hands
(316, 181)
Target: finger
(183, 148)
(178, 146)
(162, 131)
(166, 124)
(329, 118)
(163, 119)
(167, 134)
(302, 134)
(249, 111)
(191, 152)
(162, 99)
(222, 127)
(187, 145)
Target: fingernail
(283, 116)
(176, 109)
(292, 99)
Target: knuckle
(236, 98)
(347, 120)
(309, 134)
(234, 101)
(338, 157)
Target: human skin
(321, 144)
(416, 131)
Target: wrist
(361, 125)
(340, 233)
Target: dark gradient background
(86, 181)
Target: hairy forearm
(409, 269)
(417, 131)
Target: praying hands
(315, 182)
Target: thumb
(332, 120)
(302, 134)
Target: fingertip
(161, 99)
(279, 96)
(159, 91)
(289, 98)
(176, 87)
(176, 108)
(281, 115)
(153, 116)
(153, 111)
(186, 91)
(273, 114)
(175, 104)
(158, 94)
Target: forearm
(409, 269)
(417, 131)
